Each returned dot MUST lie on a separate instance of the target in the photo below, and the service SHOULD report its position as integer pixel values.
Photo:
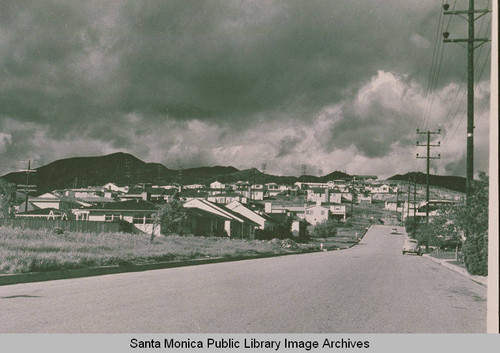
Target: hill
(449, 182)
(125, 169)
(120, 168)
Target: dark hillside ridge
(454, 183)
(125, 169)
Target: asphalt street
(370, 288)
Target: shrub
(475, 251)
(326, 229)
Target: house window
(322, 213)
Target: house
(115, 187)
(379, 188)
(235, 224)
(257, 192)
(217, 185)
(201, 222)
(273, 189)
(337, 210)
(262, 219)
(193, 186)
(50, 200)
(393, 204)
(137, 212)
(297, 210)
(90, 195)
(227, 197)
(324, 195)
(44, 213)
(364, 199)
(308, 185)
(317, 214)
(299, 225)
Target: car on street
(412, 246)
(394, 231)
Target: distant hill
(120, 168)
(449, 182)
(125, 169)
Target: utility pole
(27, 188)
(397, 199)
(470, 40)
(428, 157)
(264, 167)
(414, 195)
(408, 208)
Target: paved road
(369, 288)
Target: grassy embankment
(23, 250)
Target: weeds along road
(369, 288)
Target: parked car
(412, 246)
(394, 231)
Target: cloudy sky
(334, 84)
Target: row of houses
(211, 213)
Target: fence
(68, 225)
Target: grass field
(23, 250)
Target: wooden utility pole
(27, 188)
(428, 157)
(414, 195)
(470, 40)
(408, 208)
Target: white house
(217, 185)
(261, 219)
(317, 214)
(137, 212)
(114, 187)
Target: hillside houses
(238, 210)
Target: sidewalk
(482, 280)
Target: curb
(478, 279)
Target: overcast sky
(334, 84)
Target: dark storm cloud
(74, 61)
(287, 145)
(115, 71)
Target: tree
(326, 229)
(7, 198)
(472, 219)
(467, 221)
(169, 217)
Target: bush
(326, 229)
(475, 251)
